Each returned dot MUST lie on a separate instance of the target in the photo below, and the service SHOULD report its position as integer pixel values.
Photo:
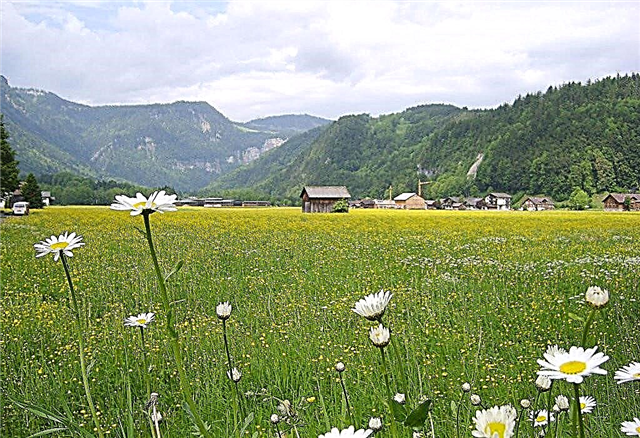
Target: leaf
(576, 317)
(454, 408)
(47, 432)
(399, 411)
(419, 415)
(247, 422)
(176, 269)
(141, 231)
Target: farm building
(409, 201)
(533, 203)
(451, 203)
(385, 204)
(431, 204)
(473, 203)
(618, 202)
(321, 199)
(498, 201)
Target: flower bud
(543, 383)
(475, 399)
(562, 402)
(525, 403)
(375, 424)
(339, 367)
(223, 310)
(275, 419)
(380, 336)
(466, 387)
(400, 398)
(596, 297)
(234, 374)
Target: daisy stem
(394, 427)
(587, 326)
(576, 389)
(458, 415)
(517, 429)
(83, 365)
(173, 335)
(346, 398)
(547, 427)
(230, 364)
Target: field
(478, 297)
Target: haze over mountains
(183, 144)
(575, 135)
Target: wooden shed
(533, 203)
(321, 199)
(410, 201)
(618, 202)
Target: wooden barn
(533, 203)
(618, 202)
(410, 201)
(321, 199)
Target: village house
(430, 204)
(452, 203)
(473, 203)
(497, 201)
(618, 202)
(533, 203)
(385, 204)
(321, 199)
(409, 201)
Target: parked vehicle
(21, 208)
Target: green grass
(477, 297)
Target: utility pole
(390, 192)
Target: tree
(31, 192)
(9, 171)
(579, 200)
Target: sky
(252, 59)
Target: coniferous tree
(31, 192)
(9, 165)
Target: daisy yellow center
(637, 375)
(573, 367)
(638, 429)
(541, 418)
(583, 405)
(59, 245)
(141, 321)
(495, 427)
(143, 205)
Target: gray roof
(500, 195)
(539, 200)
(326, 192)
(620, 197)
(404, 196)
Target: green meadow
(477, 297)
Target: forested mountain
(184, 144)
(575, 135)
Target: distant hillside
(575, 135)
(289, 124)
(184, 144)
(364, 153)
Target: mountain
(289, 124)
(183, 144)
(575, 135)
(364, 153)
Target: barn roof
(500, 195)
(620, 197)
(326, 192)
(404, 196)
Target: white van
(21, 208)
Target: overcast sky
(252, 59)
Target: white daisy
(347, 433)
(587, 403)
(540, 418)
(596, 297)
(63, 244)
(562, 403)
(629, 373)
(400, 398)
(554, 349)
(373, 306)
(574, 365)
(142, 320)
(223, 310)
(157, 201)
(380, 336)
(631, 428)
(497, 422)
(375, 424)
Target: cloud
(251, 59)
